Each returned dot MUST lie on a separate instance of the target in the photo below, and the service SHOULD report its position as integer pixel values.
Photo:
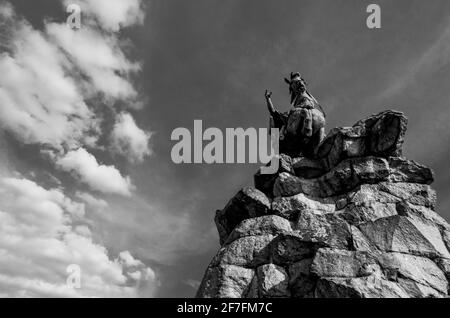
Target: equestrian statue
(302, 129)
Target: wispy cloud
(130, 140)
(433, 58)
(54, 87)
(102, 178)
(40, 238)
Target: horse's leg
(318, 138)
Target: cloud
(129, 140)
(136, 267)
(38, 241)
(128, 259)
(432, 58)
(106, 179)
(112, 15)
(50, 78)
(39, 102)
(6, 10)
(91, 201)
(157, 232)
(99, 57)
(195, 284)
(54, 87)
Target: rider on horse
(305, 122)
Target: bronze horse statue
(302, 129)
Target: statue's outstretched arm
(270, 106)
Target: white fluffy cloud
(99, 57)
(50, 77)
(38, 242)
(93, 202)
(39, 102)
(54, 85)
(136, 268)
(129, 140)
(106, 179)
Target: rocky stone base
(359, 221)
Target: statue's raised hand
(269, 102)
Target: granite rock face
(357, 221)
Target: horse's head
(297, 85)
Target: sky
(86, 116)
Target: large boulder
(405, 235)
(226, 281)
(323, 229)
(264, 225)
(358, 221)
(379, 135)
(273, 281)
(343, 263)
(350, 174)
(291, 207)
(265, 182)
(247, 203)
(359, 287)
(248, 251)
(301, 282)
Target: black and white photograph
(209, 150)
